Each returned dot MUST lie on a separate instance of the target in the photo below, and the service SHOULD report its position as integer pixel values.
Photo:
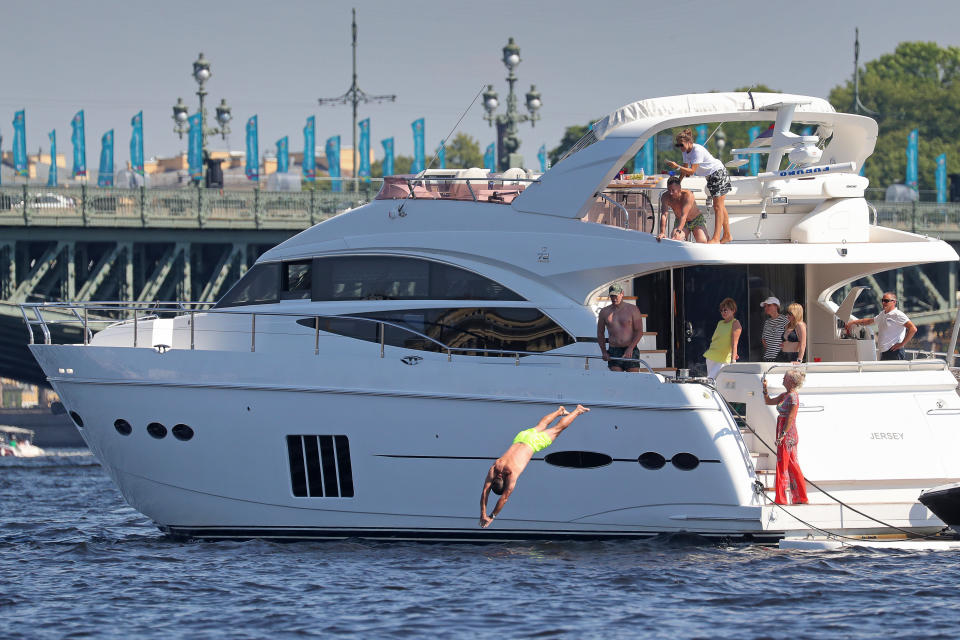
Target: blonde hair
(796, 376)
(728, 303)
(683, 136)
(795, 310)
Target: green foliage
(464, 152)
(401, 165)
(570, 137)
(915, 87)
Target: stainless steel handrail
(626, 214)
(191, 315)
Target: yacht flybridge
(362, 376)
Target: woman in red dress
(787, 464)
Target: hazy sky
(276, 58)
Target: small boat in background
(18, 442)
(944, 502)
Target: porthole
(578, 459)
(123, 427)
(651, 460)
(685, 461)
(157, 430)
(77, 420)
(182, 432)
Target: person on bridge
(788, 467)
(894, 329)
(502, 476)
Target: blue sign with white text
(252, 164)
(105, 175)
(364, 144)
(79, 145)
(310, 150)
(136, 144)
(419, 161)
(52, 176)
(195, 147)
(20, 167)
(942, 177)
(283, 154)
(913, 143)
(387, 157)
(333, 162)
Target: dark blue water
(76, 561)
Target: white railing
(90, 315)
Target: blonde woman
(698, 161)
(726, 337)
(787, 464)
(794, 345)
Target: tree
(915, 87)
(464, 152)
(570, 137)
(401, 165)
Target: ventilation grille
(320, 466)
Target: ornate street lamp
(202, 73)
(507, 139)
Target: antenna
(857, 106)
(355, 95)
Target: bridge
(192, 244)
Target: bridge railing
(33, 205)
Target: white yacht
(362, 376)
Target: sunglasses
(886, 300)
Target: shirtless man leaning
(624, 322)
(689, 218)
(502, 477)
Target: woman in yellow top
(723, 345)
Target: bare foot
(581, 409)
(725, 240)
(713, 241)
(563, 411)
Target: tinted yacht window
(496, 328)
(396, 278)
(260, 285)
(296, 280)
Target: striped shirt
(773, 335)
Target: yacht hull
(408, 458)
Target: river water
(76, 562)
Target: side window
(396, 278)
(260, 285)
(296, 277)
(492, 328)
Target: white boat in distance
(362, 376)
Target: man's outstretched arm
(487, 483)
(507, 490)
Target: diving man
(502, 477)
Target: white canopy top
(698, 104)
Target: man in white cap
(773, 328)
(624, 322)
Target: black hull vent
(320, 466)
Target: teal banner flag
(419, 161)
(52, 176)
(646, 158)
(942, 177)
(252, 164)
(105, 175)
(913, 142)
(195, 147)
(136, 144)
(20, 167)
(441, 156)
(542, 157)
(310, 150)
(364, 144)
(702, 131)
(79, 140)
(490, 158)
(283, 154)
(807, 131)
(387, 157)
(333, 162)
(754, 157)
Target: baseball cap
(616, 288)
(770, 300)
